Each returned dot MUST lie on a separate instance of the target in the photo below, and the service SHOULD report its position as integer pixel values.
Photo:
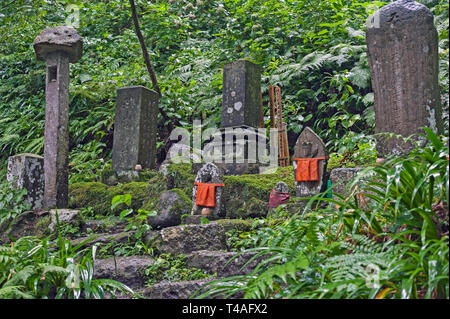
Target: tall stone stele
(240, 94)
(402, 48)
(135, 129)
(58, 46)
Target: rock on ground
(188, 238)
(128, 270)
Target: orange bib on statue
(206, 194)
(307, 169)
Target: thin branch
(150, 69)
(8, 4)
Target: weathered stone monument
(207, 192)
(237, 148)
(240, 94)
(27, 171)
(310, 162)
(135, 129)
(402, 48)
(58, 46)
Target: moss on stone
(42, 225)
(238, 224)
(90, 194)
(248, 195)
(99, 196)
(180, 176)
(183, 196)
(252, 208)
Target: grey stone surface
(188, 238)
(170, 209)
(27, 171)
(402, 49)
(221, 262)
(238, 150)
(65, 216)
(281, 187)
(240, 94)
(58, 39)
(129, 270)
(180, 153)
(228, 169)
(310, 145)
(135, 128)
(340, 178)
(174, 290)
(209, 173)
(57, 46)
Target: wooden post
(261, 116)
(271, 107)
(282, 136)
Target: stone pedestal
(237, 150)
(135, 128)
(27, 171)
(402, 49)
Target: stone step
(103, 238)
(189, 238)
(129, 270)
(173, 290)
(219, 262)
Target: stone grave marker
(135, 129)
(402, 49)
(238, 146)
(210, 182)
(310, 162)
(27, 171)
(58, 46)
(240, 94)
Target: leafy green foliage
(314, 50)
(33, 268)
(138, 222)
(11, 202)
(388, 239)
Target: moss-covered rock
(252, 208)
(248, 195)
(99, 196)
(172, 206)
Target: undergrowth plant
(11, 203)
(387, 239)
(39, 268)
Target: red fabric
(206, 194)
(307, 169)
(278, 198)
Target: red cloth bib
(307, 169)
(206, 194)
(278, 198)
